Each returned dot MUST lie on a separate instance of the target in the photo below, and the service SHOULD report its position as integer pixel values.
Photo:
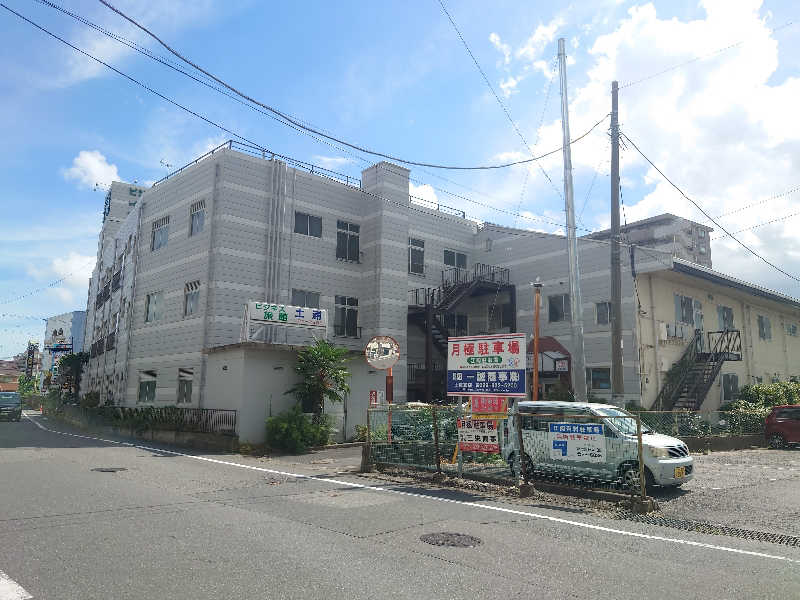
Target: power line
(698, 58)
(771, 221)
(262, 148)
(41, 289)
(297, 123)
(496, 97)
(128, 77)
(709, 217)
(759, 202)
(14, 316)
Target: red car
(782, 426)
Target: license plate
(680, 472)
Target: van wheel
(777, 441)
(629, 474)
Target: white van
(667, 460)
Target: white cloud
(424, 191)
(504, 48)
(532, 49)
(332, 162)
(75, 270)
(89, 168)
(509, 85)
(721, 128)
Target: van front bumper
(664, 471)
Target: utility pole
(617, 382)
(537, 294)
(428, 346)
(576, 305)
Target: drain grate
(711, 528)
(109, 469)
(451, 540)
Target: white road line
(438, 499)
(11, 590)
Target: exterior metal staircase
(690, 379)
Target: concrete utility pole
(576, 305)
(617, 381)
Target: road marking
(11, 590)
(501, 509)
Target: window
(702, 250)
(160, 234)
(304, 298)
(191, 294)
(730, 387)
(558, 308)
(599, 378)
(455, 259)
(185, 377)
(791, 329)
(147, 386)
(346, 316)
(416, 256)
(603, 313)
(152, 307)
(347, 241)
(500, 316)
(307, 224)
(764, 328)
(456, 323)
(701, 233)
(684, 309)
(725, 317)
(197, 217)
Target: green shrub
(294, 432)
(90, 400)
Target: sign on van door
(584, 442)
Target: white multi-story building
(62, 334)
(178, 261)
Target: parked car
(10, 406)
(782, 426)
(667, 461)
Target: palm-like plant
(323, 373)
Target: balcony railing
(115, 281)
(110, 338)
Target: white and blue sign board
(481, 365)
(580, 442)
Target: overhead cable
(297, 123)
(708, 216)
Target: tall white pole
(578, 363)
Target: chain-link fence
(697, 424)
(586, 451)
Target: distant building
(62, 334)
(677, 236)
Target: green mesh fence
(716, 423)
(412, 444)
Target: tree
(27, 386)
(323, 376)
(70, 366)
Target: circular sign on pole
(382, 352)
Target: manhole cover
(109, 469)
(453, 540)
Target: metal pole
(523, 475)
(459, 415)
(617, 381)
(576, 305)
(536, 302)
(641, 460)
(389, 399)
(429, 346)
(436, 456)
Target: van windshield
(626, 426)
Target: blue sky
(395, 77)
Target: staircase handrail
(678, 372)
(728, 342)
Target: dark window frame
(307, 224)
(348, 241)
(605, 310)
(301, 298)
(416, 246)
(345, 319)
(556, 313)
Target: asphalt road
(213, 526)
